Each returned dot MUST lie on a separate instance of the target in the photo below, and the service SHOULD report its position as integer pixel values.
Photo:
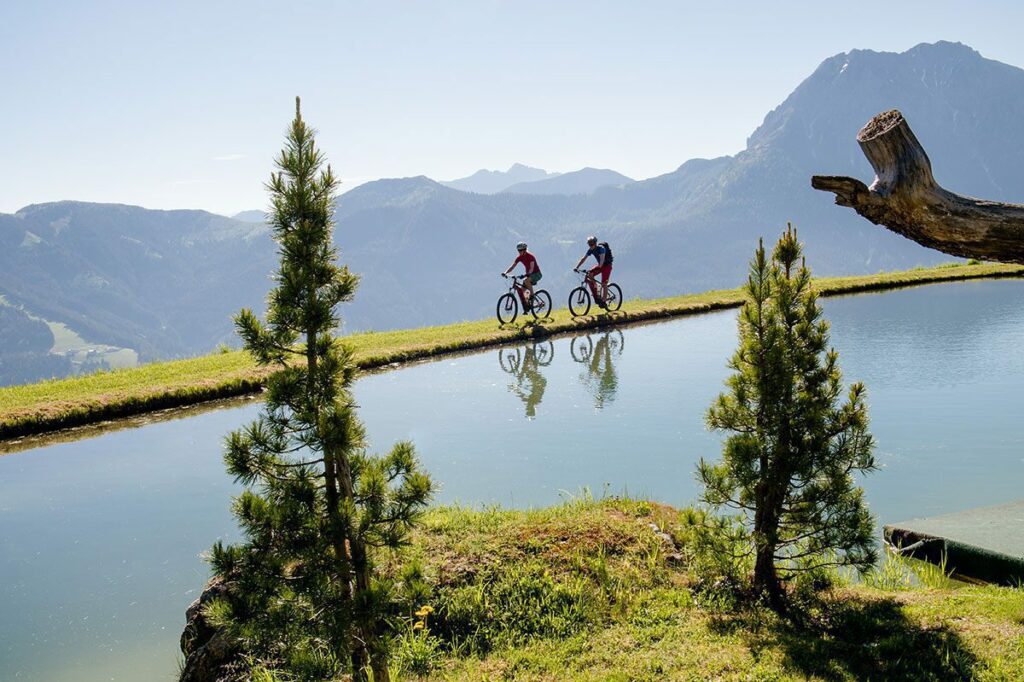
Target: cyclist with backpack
(602, 253)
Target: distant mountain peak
(944, 47)
(252, 216)
(584, 181)
(492, 181)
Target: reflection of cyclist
(600, 374)
(533, 275)
(602, 253)
(528, 373)
(607, 380)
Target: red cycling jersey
(528, 260)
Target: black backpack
(608, 258)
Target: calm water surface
(100, 539)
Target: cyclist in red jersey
(529, 262)
(602, 254)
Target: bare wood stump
(906, 199)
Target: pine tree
(788, 466)
(317, 510)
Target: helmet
(591, 240)
(521, 246)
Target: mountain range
(166, 283)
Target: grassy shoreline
(76, 401)
(616, 589)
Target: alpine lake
(101, 538)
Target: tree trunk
(906, 199)
(367, 643)
(766, 528)
(766, 581)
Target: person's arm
(600, 260)
(581, 261)
(509, 269)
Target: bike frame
(592, 283)
(518, 287)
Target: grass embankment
(56, 404)
(589, 591)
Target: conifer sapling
(317, 512)
(795, 444)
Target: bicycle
(508, 305)
(580, 297)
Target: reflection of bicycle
(582, 347)
(580, 297)
(511, 359)
(508, 304)
(524, 364)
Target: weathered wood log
(906, 199)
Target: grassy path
(61, 403)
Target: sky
(183, 104)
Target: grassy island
(611, 590)
(55, 404)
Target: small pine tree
(317, 510)
(795, 446)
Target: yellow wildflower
(418, 625)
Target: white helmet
(521, 246)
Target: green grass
(55, 404)
(586, 591)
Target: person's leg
(592, 281)
(528, 285)
(606, 273)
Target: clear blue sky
(183, 104)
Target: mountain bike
(580, 297)
(508, 304)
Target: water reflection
(524, 364)
(599, 375)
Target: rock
(662, 535)
(210, 655)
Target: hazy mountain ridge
(253, 216)
(583, 181)
(491, 182)
(130, 276)
(167, 282)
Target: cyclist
(602, 253)
(533, 275)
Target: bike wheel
(540, 304)
(509, 359)
(579, 301)
(544, 352)
(507, 309)
(614, 298)
(581, 348)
